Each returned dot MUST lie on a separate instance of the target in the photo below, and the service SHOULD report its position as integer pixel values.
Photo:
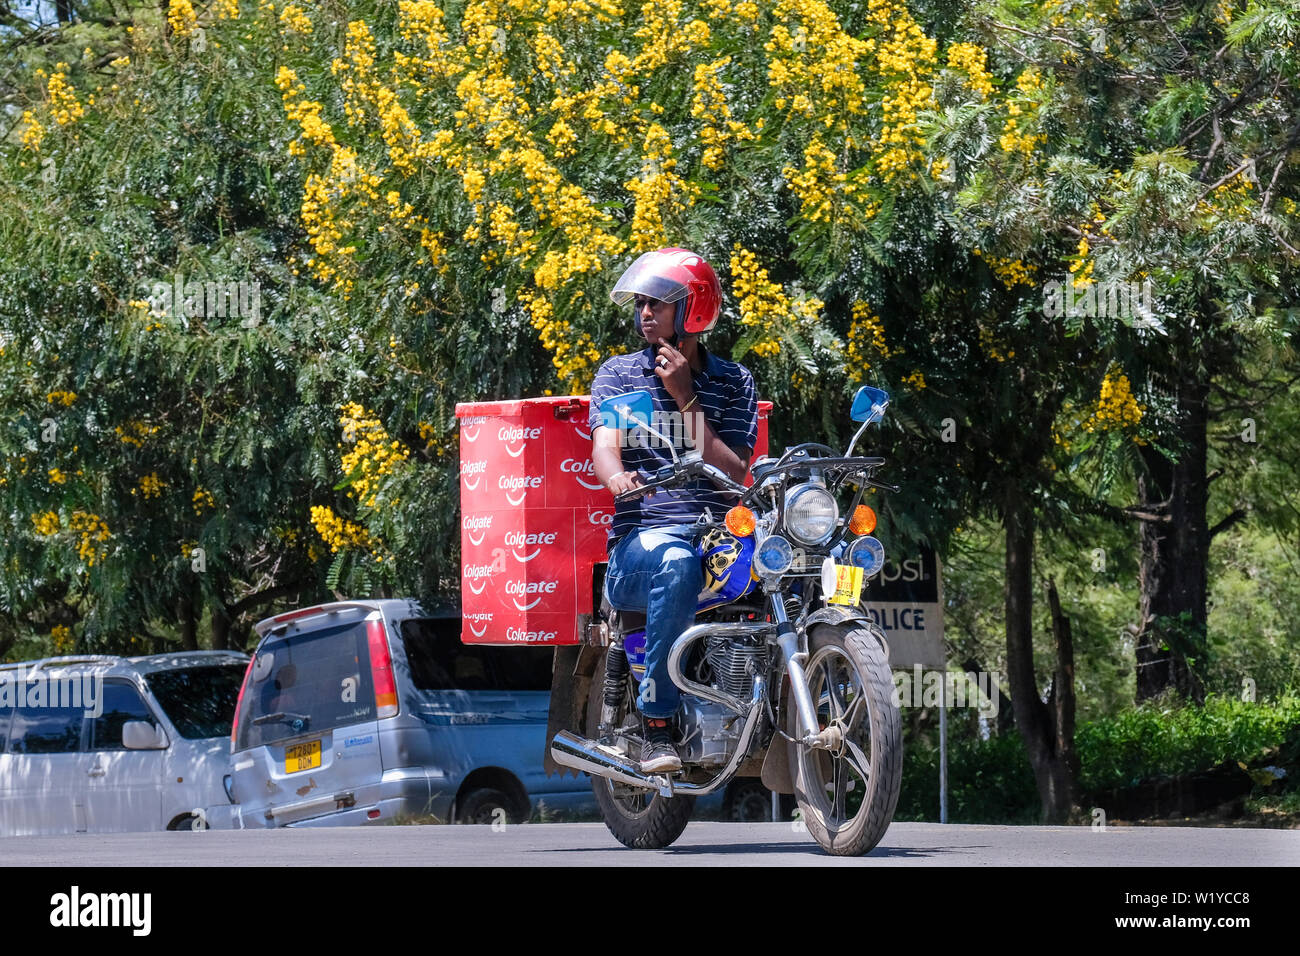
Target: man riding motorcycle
(711, 405)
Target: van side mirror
(142, 735)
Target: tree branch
(1237, 515)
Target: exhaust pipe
(579, 753)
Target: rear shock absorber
(616, 670)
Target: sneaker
(658, 755)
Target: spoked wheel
(640, 819)
(847, 794)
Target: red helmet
(674, 275)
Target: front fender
(844, 614)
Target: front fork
(810, 732)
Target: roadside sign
(906, 600)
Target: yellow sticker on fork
(848, 584)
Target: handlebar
(684, 470)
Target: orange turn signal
(740, 521)
(863, 520)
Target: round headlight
(868, 554)
(810, 514)
(774, 556)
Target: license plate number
(302, 756)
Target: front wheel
(847, 794)
(640, 819)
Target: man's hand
(674, 370)
(625, 481)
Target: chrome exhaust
(579, 753)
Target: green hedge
(991, 781)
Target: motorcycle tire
(847, 797)
(639, 819)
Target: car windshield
(200, 701)
(311, 682)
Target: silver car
(110, 744)
(373, 711)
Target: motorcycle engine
(711, 732)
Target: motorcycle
(783, 675)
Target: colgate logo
(529, 637)
(479, 616)
(475, 468)
(475, 571)
(597, 517)
(519, 483)
(507, 433)
(469, 427)
(517, 589)
(531, 587)
(578, 468)
(479, 523)
(516, 539)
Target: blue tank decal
(634, 645)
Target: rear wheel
(847, 794)
(640, 819)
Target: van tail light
(239, 702)
(381, 670)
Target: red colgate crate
(534, 519)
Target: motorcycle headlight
(810, 514)
(868, 554)
(773, 557)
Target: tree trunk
(1173, 555)
(187, 612)
(220, 627)
(1049, 741)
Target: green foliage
(989, 781)
(1155, 740)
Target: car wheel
(481, 806)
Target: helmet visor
(646, 277)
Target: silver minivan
(103, 744)
(371, 711)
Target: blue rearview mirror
(629, 410)
(869, 404)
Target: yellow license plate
(302, 756)
(848, 584)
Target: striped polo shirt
(730, 403)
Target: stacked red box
(534, 519)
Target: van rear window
(307, 683)
(439, 661)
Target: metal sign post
(906, 600)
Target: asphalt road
(709, 844)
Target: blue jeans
(656, 571)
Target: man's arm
(607, 459)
